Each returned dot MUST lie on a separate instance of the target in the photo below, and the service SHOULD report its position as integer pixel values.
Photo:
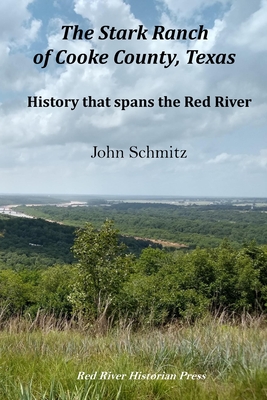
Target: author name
(135, 152)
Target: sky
(48, 149)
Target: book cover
(143, 113)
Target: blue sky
(48, 150)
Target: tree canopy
(103, 266)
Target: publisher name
(135, 152)
(139, 376)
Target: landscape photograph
(133, 200)
(128, 297)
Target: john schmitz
(135, 152)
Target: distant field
(97, 199)
(6, 200)
(192, 226)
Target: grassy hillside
(210, 360)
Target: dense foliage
(158, 287)
(102, 268)
(36, 243)
(27, 199)
(39, 271)
(204, 226)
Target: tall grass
(40, 360)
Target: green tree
(15, 295)
(54, 289)
(103, 267)
(151, 260)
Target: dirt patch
(163, 243)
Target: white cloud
(18, 29)
(17, 25)
(255, 162)
(186, 9)
(243, 161)
(252, 32)
(220, 158)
